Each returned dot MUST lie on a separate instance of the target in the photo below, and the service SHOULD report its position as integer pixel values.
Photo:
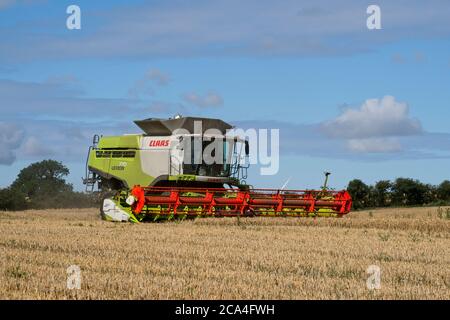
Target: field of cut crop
(226, 258)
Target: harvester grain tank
(161, 174)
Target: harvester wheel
(102, 213)
(249, 213)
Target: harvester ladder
(91, 177)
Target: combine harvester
(161, 174)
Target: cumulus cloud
(57, 119)
(384, 117)
(374, 127)
(11, 137)
(211, 99)
(309, 140)
(65, 140)
(379, 129)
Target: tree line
(400, 192)
(42, 185)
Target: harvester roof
(165, 127)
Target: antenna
(326, 180)
(286, 183)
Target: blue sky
(368, 104)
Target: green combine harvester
(163, 174)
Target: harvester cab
(188, 167)
(194, 152)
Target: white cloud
(309, 140)
(66, 141)
(217, 27)
(33, 147)
(211, 99)
(384, 117)
(11, 138)
(374, 127)
(374, 145)
(57, 99)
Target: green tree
(42, 178)
(407, 192)
(360, 193)
(43, 183)
(431, 193)
(12, 200)
(371, 197)
(381, 193)
(443, 191)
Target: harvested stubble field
(226, 258)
